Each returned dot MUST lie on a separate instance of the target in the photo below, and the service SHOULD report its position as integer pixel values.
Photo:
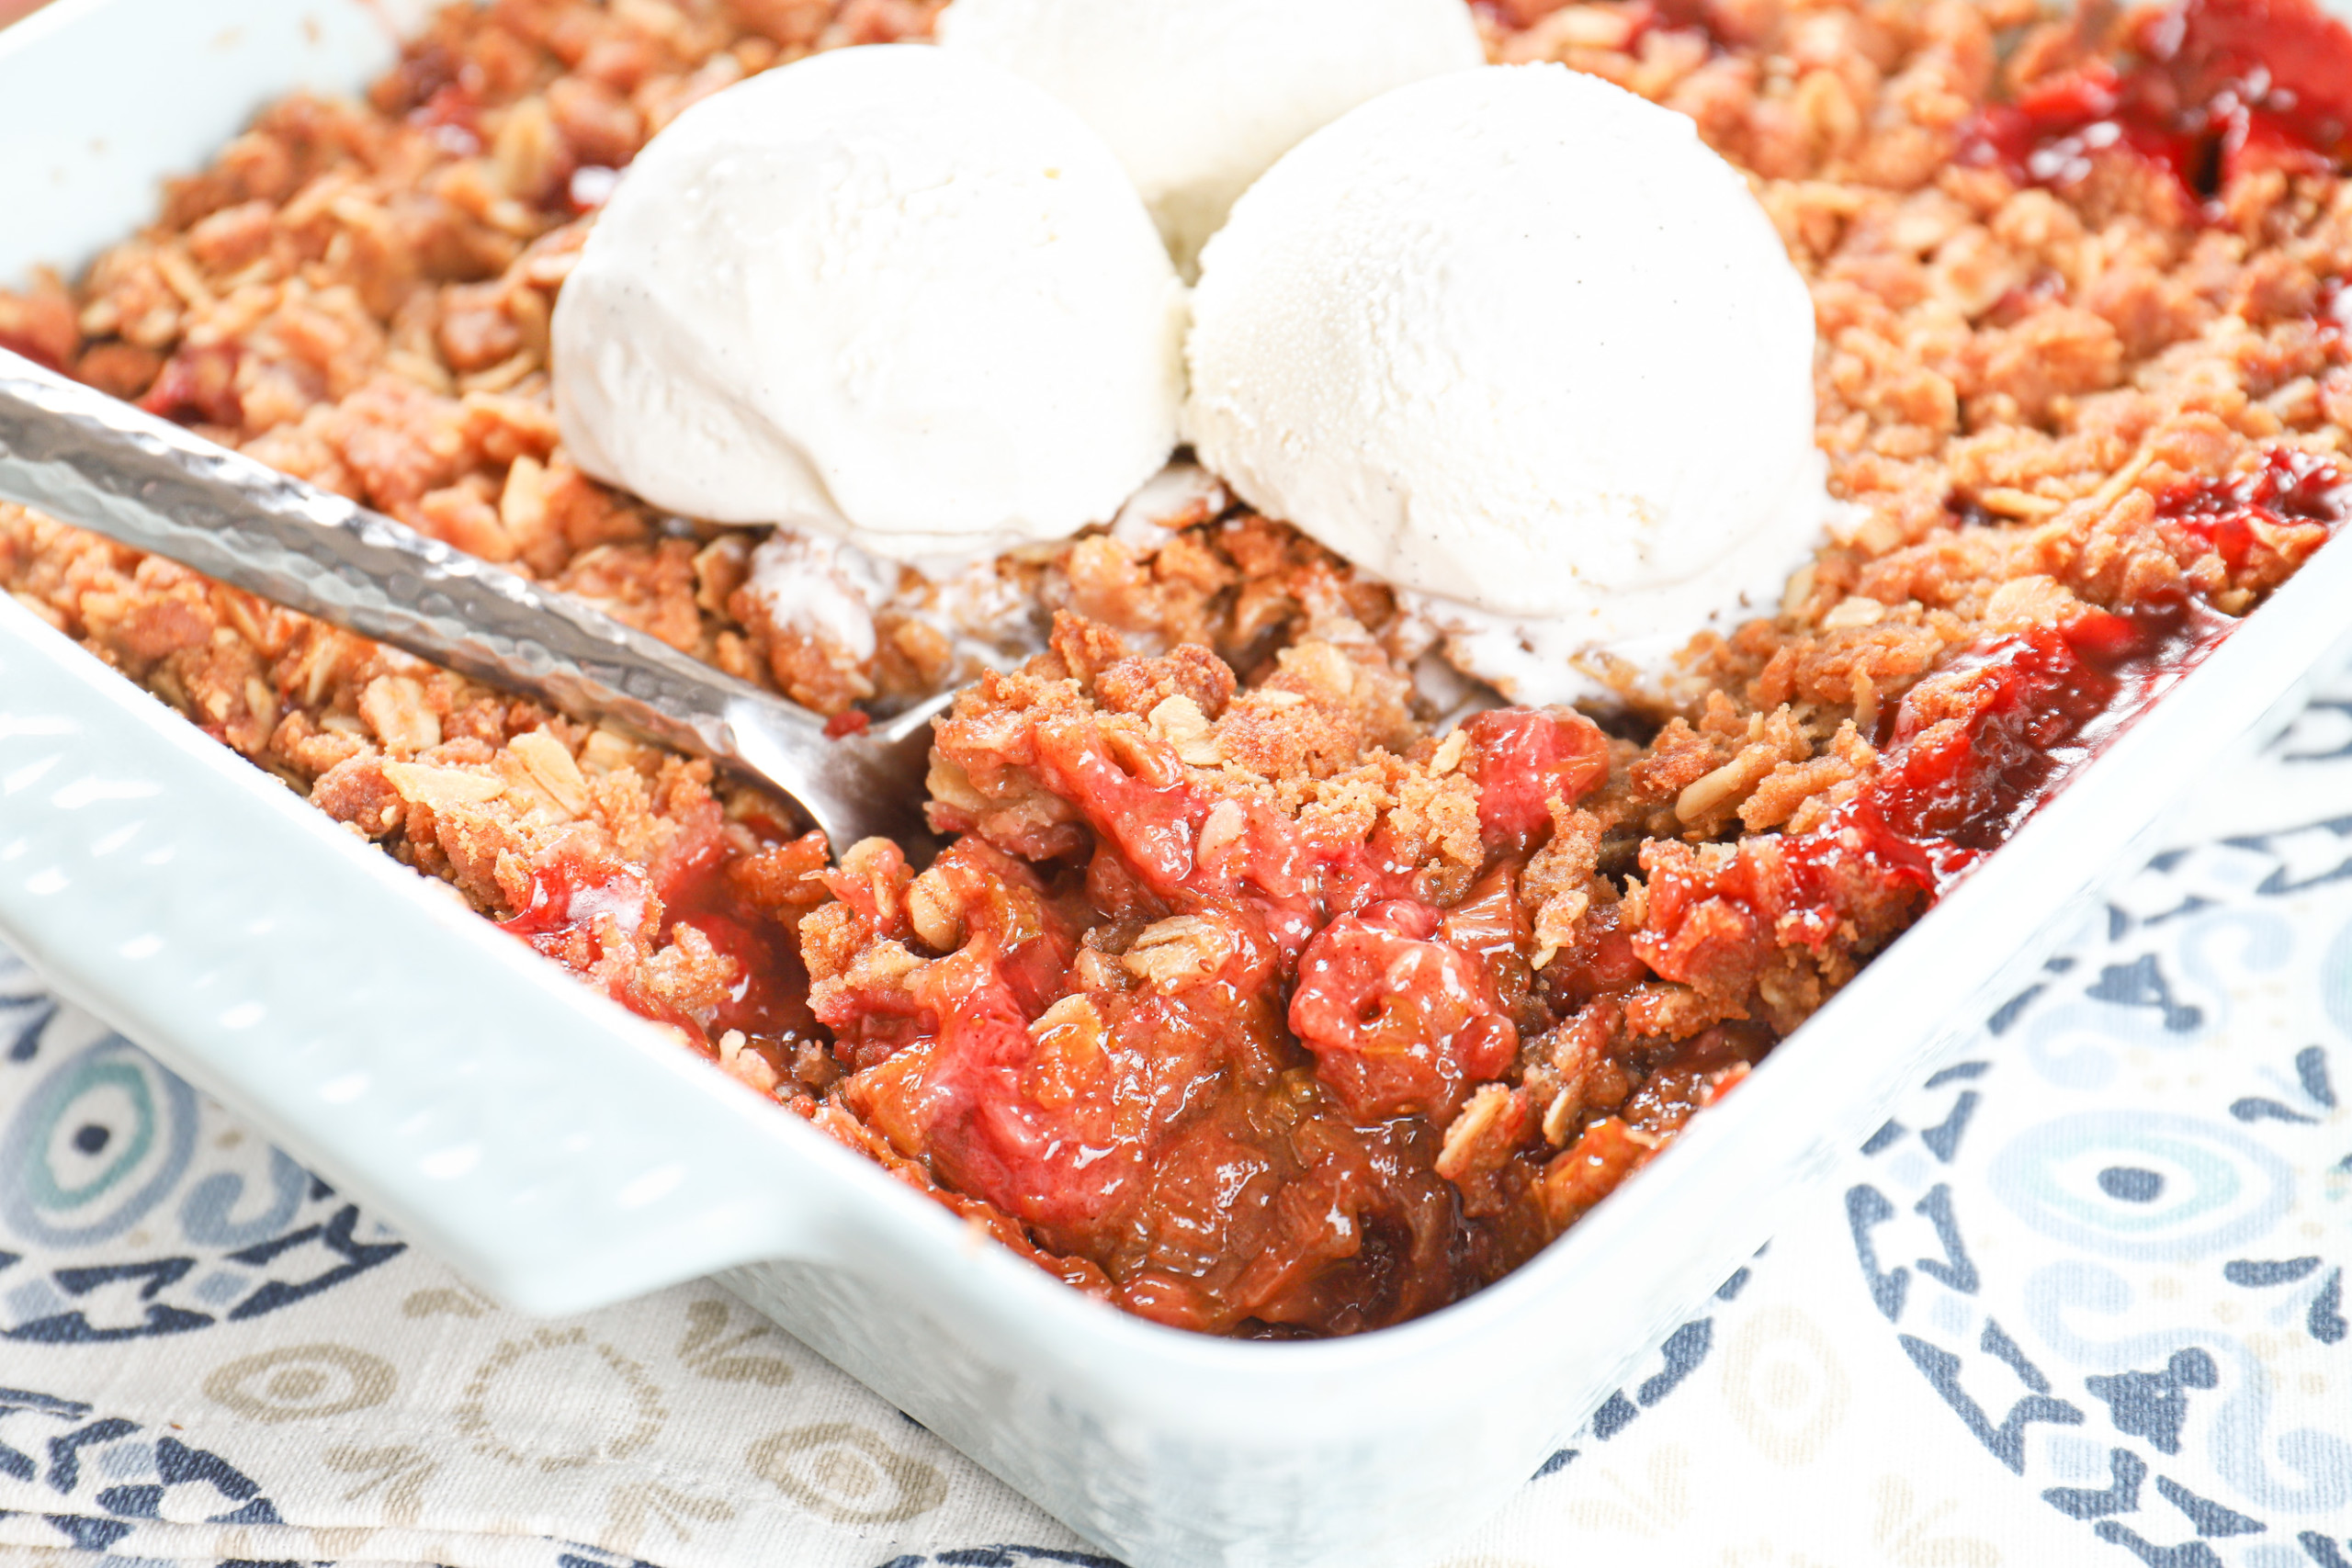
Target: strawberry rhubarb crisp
(1272, 979)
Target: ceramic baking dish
(563, 1155)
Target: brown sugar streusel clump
(1349, 1016)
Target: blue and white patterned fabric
(2083, 1300)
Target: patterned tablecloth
(2083, 1300)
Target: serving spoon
(96, 463)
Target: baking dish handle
(558, 1151)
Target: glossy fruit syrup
(2011, 721)
(2004, 726)
(2216, 89)
(1976, 749)
(603, 918)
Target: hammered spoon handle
(96, 463)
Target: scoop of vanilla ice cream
(1198, 98)
(1516, 341)
(888, 294)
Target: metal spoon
(89, 460)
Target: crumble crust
(1218, 780)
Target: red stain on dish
(2222, 87)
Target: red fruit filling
(2220, 88)
(1399, 1025)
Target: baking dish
(563, 1154)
